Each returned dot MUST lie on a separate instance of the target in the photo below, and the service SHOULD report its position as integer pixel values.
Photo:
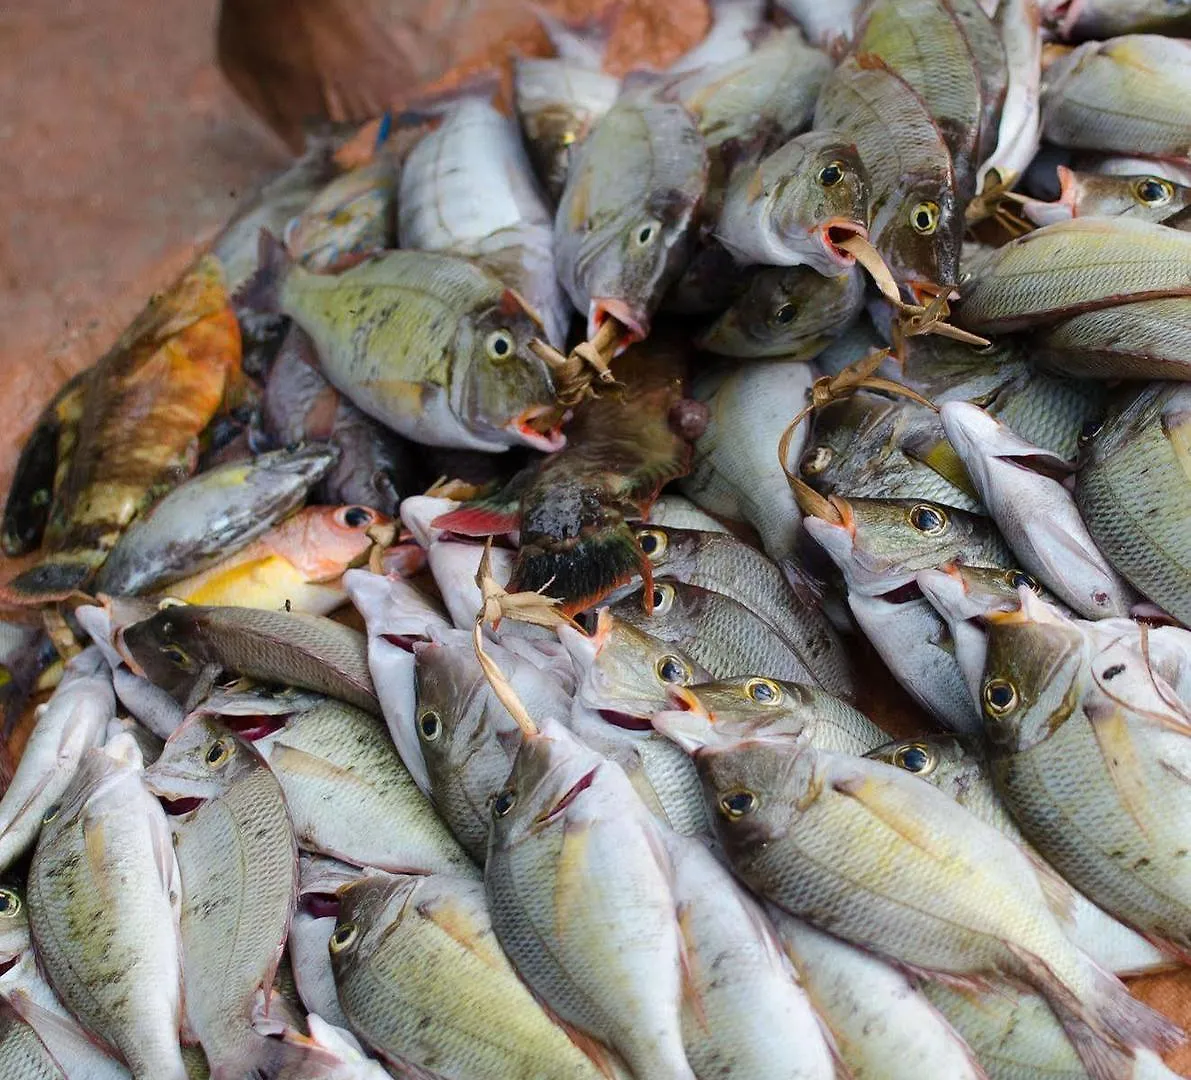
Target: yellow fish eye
(815, 460)
(218, 753)
(1153, 191)
(499, 345)
(929, 520)
(342, 936)
(763, 691)
(429, 725)
(653, 543)
(670, 669)
(832, 173)
(663, 599)
(999, 696)
(1017, 578)
(916, 758)
(504, 802)
(737, 804)
(177, 656)
(924, 218)
(10, 904)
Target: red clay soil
(124, 149)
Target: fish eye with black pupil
(1019, 578)
(504, 802)
(175, 655)
(217, 753)
(924, 218)
(999, 696)
(737, 804)
(643, 234)
(1089, 431)
(499, 345)
(815, 460)
(10, 903)
(914, 758)
(1153, 191)
(355, 516)
(831, 173)
(763, 691)
(928, 520)
(51, 813)
(785, 314)
(342, 936)
(430, 725)
(652, 542)
(672, 670)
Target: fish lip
(185, 805)
(924, 292)
(634, 319)
(835, 230)
(569, 796)
(523, 428)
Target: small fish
(210, 517)
(405, 948)
(341, 775)
(893, 865)
(238, 860)
(1021, 485)
(297, 566)
(72, 722)
(787, 313)
(732, 475)
(1134, 510)
(576, 864)
(184, 643)
(299, 406)
(1144, 197)
(146, 402)
(1109, 18)
(883, 1026)
(468, 188)
(432, 346)
(625, 221)
(1128, 94)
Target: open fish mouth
(627, 721)
(540, 427)
(635, 321)
(185, 805)
(571, 794)
(836, 232)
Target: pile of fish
(474, 600)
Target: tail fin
(262, 291)
(58, 577)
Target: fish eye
(653, 543)
(1018, 578)
(915, 758)
(929, 520)
(924, 218)
(999, 696)
(672, 670)
(763, 691)
(815, 460)
(832, 173)
(176, 656)
(1153, 191)
(429, 725)
(218, 753)
(51, 813)
(1089, 431)
(785, 314)
(10, 903)
(342, 936)
(663, 599)
(737, 804)
(504, 802)
(355, 516)
(643, 234)
(499, 345)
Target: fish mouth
(683, 699)
(634, 320)
(402, 641)
(538, 426)
(253, 728)
(1049, 213)
(926, 292)
(838, 231)
(6, 965)
(625, 720)
(571, 794)
(184, 805)
(320, 905)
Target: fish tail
(1104, 1022)
(58, 577)
(262, 291)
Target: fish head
(733, 710)
(825, 200)
(752, 788)
(324, 541)
(1032, 674)
(626, 672)
(675, 614)
(367, 909)
(15, 938)
(168, 648)
(500, 385)
(921, 236)
(947, 761)
(200, 761)
(554, 776)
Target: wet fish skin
(732, 474)
(349, 796)
(407, 947)
(236, 910)
(1035, 512)
(623, 229)
(786, 314)
(73, 721)
(1061, 734)
(23, 1056)
(1126, 94)
(1148, 339)
(103, 886)
(882, 1025)
(782, 211)
(1135, 509)
(807, 828)
(1109, 18)
(1019, 127)
(1145, 196)
(175, 646)
(313, 923)
(573, 851)
(211, 516)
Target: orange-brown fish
(146, 404)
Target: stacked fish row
(596, 790)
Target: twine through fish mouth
(586, 363)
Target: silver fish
(319, 879)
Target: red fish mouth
(177, 807)
(635, 321)
(926, 292)
(527, 426)
(253, 728)
(401, 641)
(838, 231)
(625, 720)
(572, 793)
(321, 905)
